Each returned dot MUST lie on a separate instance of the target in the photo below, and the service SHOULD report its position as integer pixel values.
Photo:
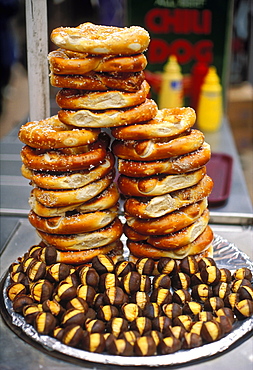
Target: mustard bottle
(209, 111)
(171, 92)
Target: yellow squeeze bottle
(171, 93)
(210, 110)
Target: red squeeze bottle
(199, 71)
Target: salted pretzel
(62, 198)
(58, 161)
(158, 185)
(51, 133)
(168, 223)
(75, 223)
(84, 241)
(100, 100)
(109, 117)
(71, 179)
(66, 62)
(206, 253)
(113, 250)
(104, 200)
(97, 39)
(161, 205)
(175, 239)
(168, 122)
(201, 244)
(182, 237)
(101, 81)
(156, 149)
(174, 165)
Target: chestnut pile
(125, 308)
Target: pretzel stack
(74, 202)
(163, 178)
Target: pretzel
(75, 223)
(109, 117)
(62, 198)
(201, 244)
(174, 165)
(172, 240)
(113, 250)
(93, 81)
(97, 39)
(169, 223)
(156, 149)
(112, 99)
(181, 237)
(84, 241)
(67, 62)
(161, 205)
(158, 185)
(51, 133)
(104, 200)
(167, 123)
(58, 161)
(69, 180)
(206, 253)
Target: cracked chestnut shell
(168, 345)
(144, 346)
(102, 264)
(58, 272)
(115, 296)
(231, 299)
(66, 291)
(172, 310)
(89, 276)
(72, 316)
(211, 331)
(15, 289)
(205, 262)
(44, 323)
(243, 309)
(20, 301)
(95, 326)
(86, 292)
(141, 324)
(191, 308)
(131, 282)
(201, 292)
(93, 342)
(152, 310)
(191, 340)
(242, 273)
(78, 303)
(130, 336)
(189, 265)
(30, 311)
(140, 298)
(183, 320)
(72, 335)
(107, 312)
(41, 290)
(120, 347)
(221, 290)
(123, 267)
(130, 311)
(167, 265)
(213, 304)
(181, 296)
(145, 266)
(108, 280)
(162, 281)
(161, 324)
(245, 292)
(36, 270)
(161, 296)
(210, 275)
(117, 325)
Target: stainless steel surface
(25, 236)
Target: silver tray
(226, 255)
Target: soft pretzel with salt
(51, 133)
(98, 39)
(66, 62)
(109, 117)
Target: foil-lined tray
(226, 255)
